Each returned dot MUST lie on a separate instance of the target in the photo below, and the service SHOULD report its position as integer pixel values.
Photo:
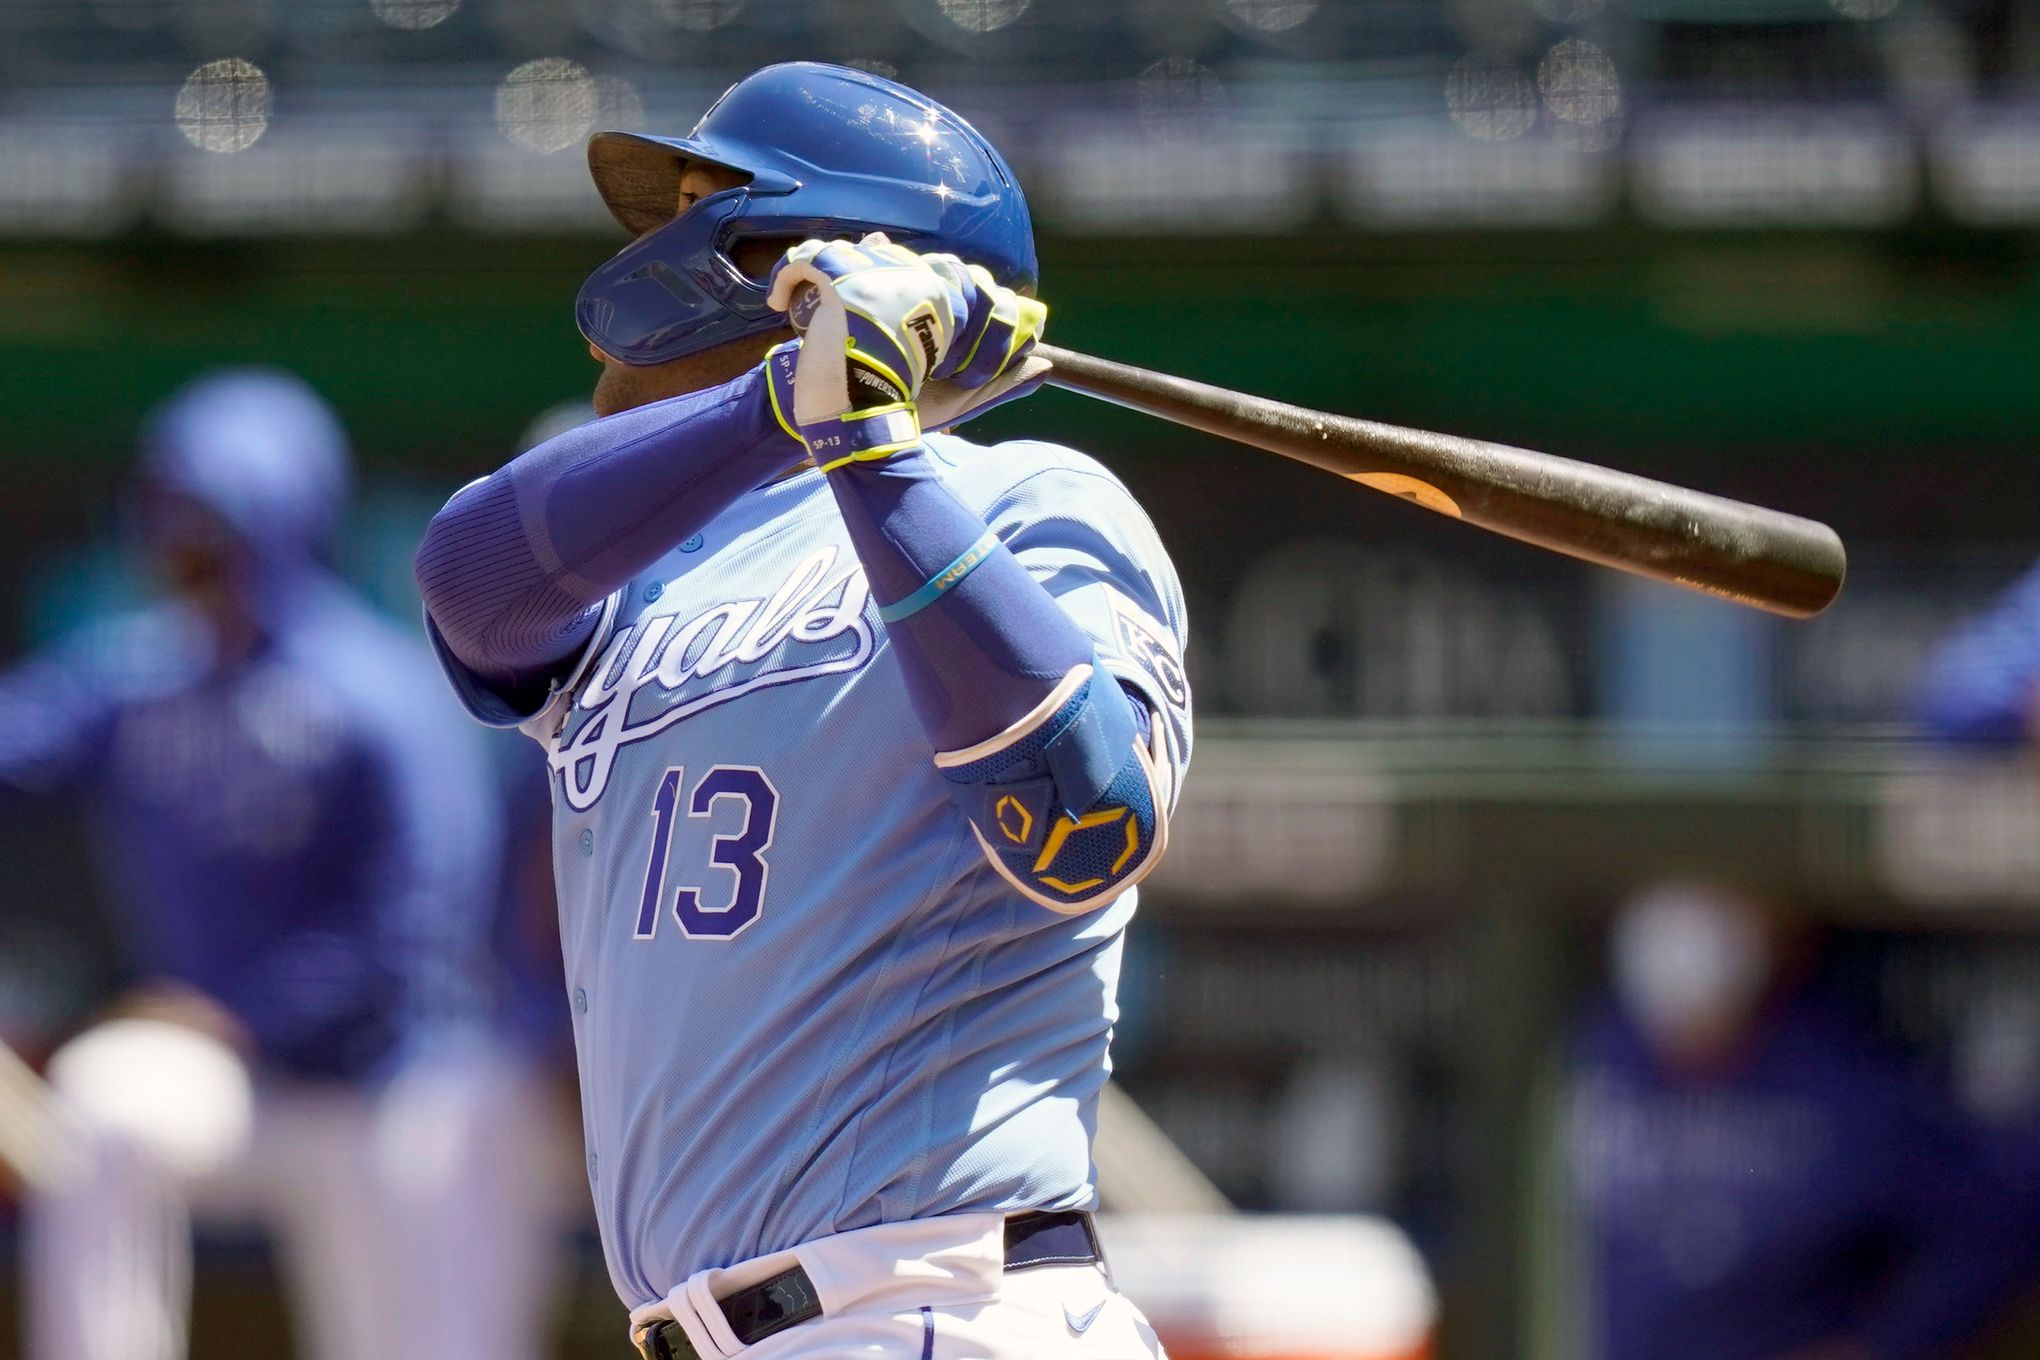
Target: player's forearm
(1043, 750)
(980, 655)
(516, 565)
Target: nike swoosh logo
(1081, 1322)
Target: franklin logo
(923, 327)
(659, 671)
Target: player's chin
(625, 387)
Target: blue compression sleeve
(515, 568)
(1046, 756)
(979, 655)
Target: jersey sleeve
(528, 713)
(1083, 537)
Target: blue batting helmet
(829, 151)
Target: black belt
(1065, 1238)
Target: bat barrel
(1741, 552)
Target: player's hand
(874, 320)
(898, 315)
(885, 330)
(999, 325)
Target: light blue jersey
(804, 1002)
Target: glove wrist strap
(862, 436)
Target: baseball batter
(860, 736)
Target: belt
(788, 1299)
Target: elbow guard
(1066, 803)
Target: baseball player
(302, 849)
(860, 736)
(1757, 1178)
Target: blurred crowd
(1757, 1172)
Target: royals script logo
(659, 671)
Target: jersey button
(580, 1000)
(587, 840)
(591, 1166)
(654, 591)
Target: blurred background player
(1980, 687)
(1758, 1179)
(303, 852)
(1978, 694)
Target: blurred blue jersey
(804, 1002)
(1981, 684)
(308, 837)
(1800, 1198)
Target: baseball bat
(1740, 552)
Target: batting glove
(999, 325)
(885, 333)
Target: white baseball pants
(934, 1288)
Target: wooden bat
(1745, 553)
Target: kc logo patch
(1141, 640)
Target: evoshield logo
(658, 671)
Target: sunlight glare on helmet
(982, 16)
(224, 105)
(547, 105)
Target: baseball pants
(936, 1289)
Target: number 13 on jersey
(741, 852)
